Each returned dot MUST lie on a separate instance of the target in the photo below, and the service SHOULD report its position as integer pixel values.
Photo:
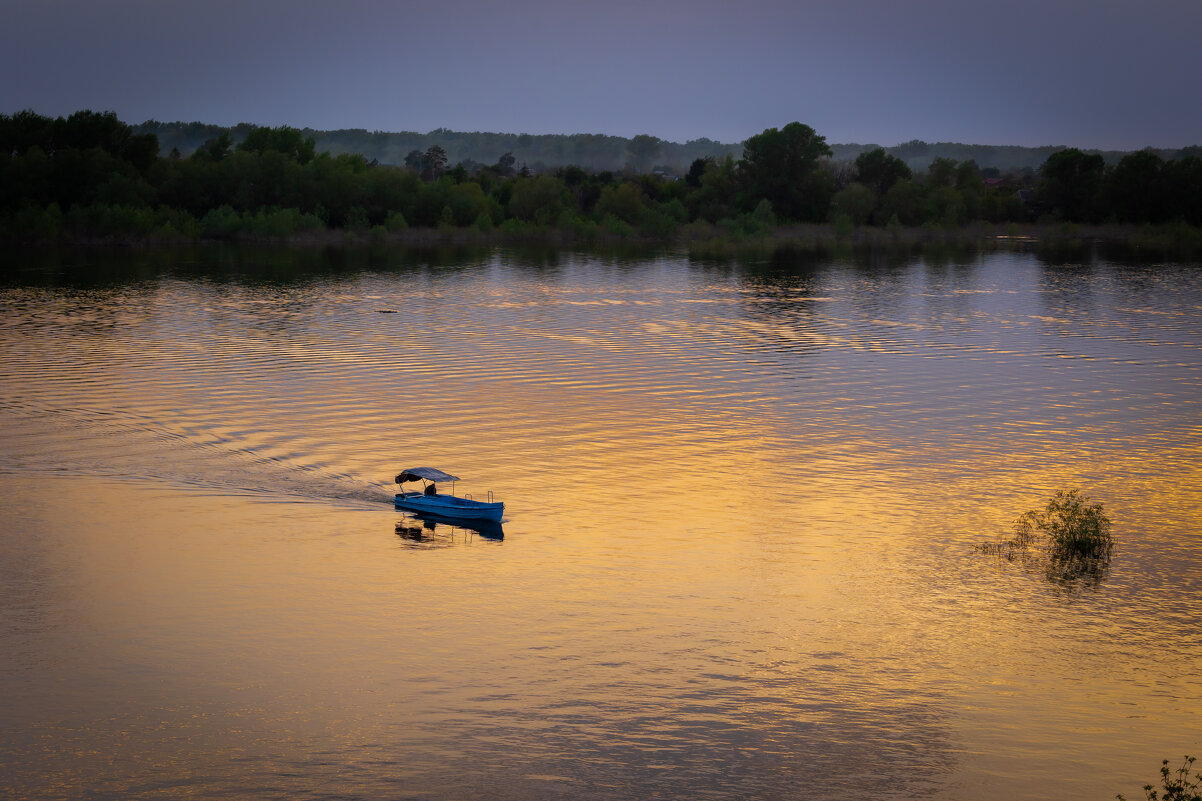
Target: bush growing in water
(1073, 526)
(1076, 547)
(1178, 785)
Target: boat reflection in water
(431, 531)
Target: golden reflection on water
(737, 557)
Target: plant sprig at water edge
(1178, 785)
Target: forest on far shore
(597, 152)
(91, 177)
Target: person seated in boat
(432, 489)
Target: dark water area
(743, 499)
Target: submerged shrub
(1073, 526)
(1069, 541)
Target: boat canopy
(427, 473)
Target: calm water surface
(738, 556)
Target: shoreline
(1178, 240)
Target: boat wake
(127, 445)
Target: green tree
(285, 140)
(879, 171)
(84, 130)
(643, 149)
(24, 130)
(1182, 181)
(856, 201)
(903, 201)
(971, 187)
(572, 175)
(715, 199)
(696, 170)
(968, 176)
(783, 166)
(468, 203)
(539, 199)
(504, 165)
(945, 207)
(1071, 184)
(623, 201)
(942, 172)
(215, 149)
(1135, 188)
(763, 219)
(434, 160)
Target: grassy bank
(1068, 241)
(1176, 241)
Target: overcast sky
(1119, 74)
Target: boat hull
(449, 506)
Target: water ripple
(738, 557)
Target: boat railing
(468, 496)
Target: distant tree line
(539, 152)
(543, 152)
(90, 176)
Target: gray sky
(1119, 74)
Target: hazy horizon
(435, 131)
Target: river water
(743, 500)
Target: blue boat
(428, 501)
